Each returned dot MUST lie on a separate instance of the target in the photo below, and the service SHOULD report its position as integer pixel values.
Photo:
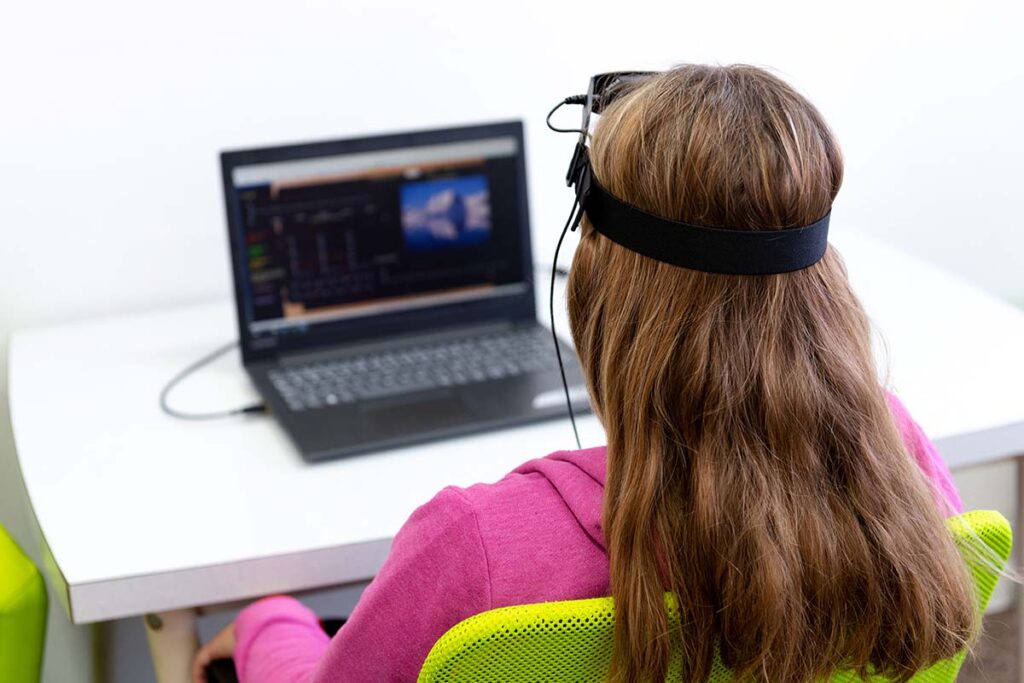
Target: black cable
(574, 99)
(205, 360)
(559, 270)
(551, 313)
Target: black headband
(697, 247)
(712, 250)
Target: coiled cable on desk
(188, 370)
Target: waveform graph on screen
(446, 213)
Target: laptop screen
(330, 240)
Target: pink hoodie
(534, 536)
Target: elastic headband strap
(712, 250)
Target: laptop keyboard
(457, 362)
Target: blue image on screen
(446, 213)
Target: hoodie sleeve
(927, 457)
(435, 576)
(277, 639)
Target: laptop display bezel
(514, 306)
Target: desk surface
(141, 512)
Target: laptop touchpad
(424, 412)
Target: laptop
(385, 288)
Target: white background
(112, 114)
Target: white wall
(111, 114)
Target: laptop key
(393, 389)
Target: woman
(754, 465)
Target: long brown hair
(754, 467)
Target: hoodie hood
(578, 477)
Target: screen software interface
(337, 237)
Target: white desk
(144, 514)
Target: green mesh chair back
(571, 641)
(22, 614)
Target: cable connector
(572, 99)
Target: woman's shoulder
(547, 509)
(557, 496)
(926, 455)
(564, 476)
(916, 441)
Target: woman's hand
(221, 646)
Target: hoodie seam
(483, 546)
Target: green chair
(22, 615)
(571, 641)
